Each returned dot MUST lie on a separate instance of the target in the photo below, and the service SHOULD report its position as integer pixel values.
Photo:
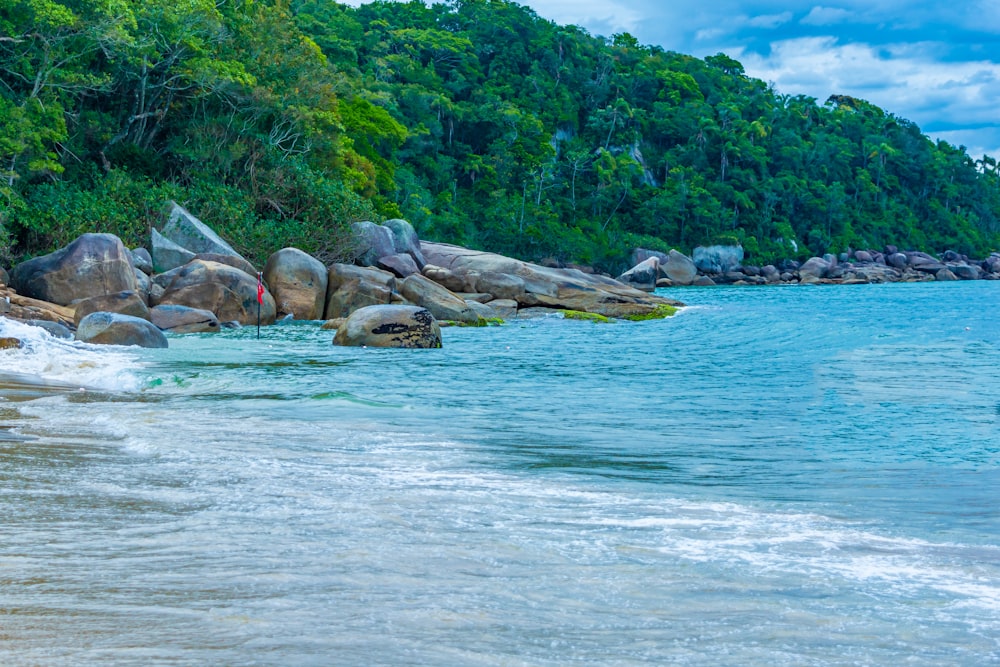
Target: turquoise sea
(776, 476)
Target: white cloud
(770, 21)
(904, 79)
(826, 16)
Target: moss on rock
(660, 312)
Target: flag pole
(260, 299)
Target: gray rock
(454, 282)
(142, 260)
(640, 255)
(484, 311)
(92, 265)
(643, 276)
(679, 268)
(167, 255)
(352, 287)
(992, 264)
(123, 303)
(717, 258)
(405, 240)
(401, 264)
(54, 328)
(815, 267)
(372, 242)
(547, 287)
(967, 272)
(703, 281)
(181, 319)
(116, 329)
(298, 282)
(191, 233)
(390, 326)
(4, 276)
(504, 308)
(443, 304)
(944, 275)
(500, 285)
(234, 261)
(863, 256)
(770, 273)
(226, 291)
(897, 260)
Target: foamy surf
(49, 364)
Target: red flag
(260, 289)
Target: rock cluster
(192, 281)
(720, 265)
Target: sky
(934, 62)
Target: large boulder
(4, 276)
(567, 289)
(92, 265)
(640, 255)
(967, 271)
(182, 319)
(191, 233)
(405, 240)
(234, 261)
(443, 304)
(116, 329)
(142, 260)
(352, 287)
(226, 291)
(390, 326)
(123, 303)
(642, 276)
(679, 268)
(454, 282)
(500, 285)
(372, 242)
(401, 264)
(814, 267)
(717, 258)
(298, 282)
(166, 254)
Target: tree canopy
(281, 121)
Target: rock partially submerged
(563, 289)
(116, 329)
(390, 326)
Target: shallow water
(776, 476)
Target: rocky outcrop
(400, 264)
(115, 329)
(717, 258)
(298, 282)
(442, 303)
(123, 303)
(642, 276)
(405, 240)
(390, 326)
(92, 265)
(166, 254)
(372, 242)
(182, 319)
(679, 268)
(226, 291)
(566, 289)
(352, 287)
(192, 234)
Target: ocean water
(776, 476)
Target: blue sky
(935, 63)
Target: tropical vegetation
(280, 122)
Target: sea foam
(49, 361)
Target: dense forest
(281, 121)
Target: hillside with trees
(484, 125)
